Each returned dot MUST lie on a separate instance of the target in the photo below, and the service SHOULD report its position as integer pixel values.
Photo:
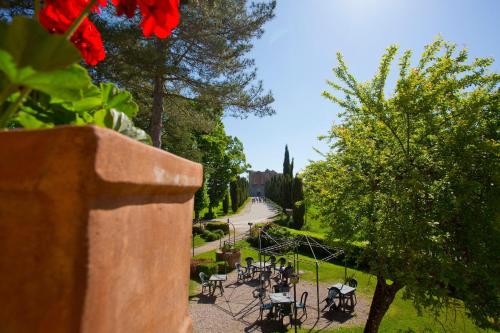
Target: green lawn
(198, 241)
(401, 317)
(311, 221)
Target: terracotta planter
(95, 233)
(232, 257)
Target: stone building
(257, 181)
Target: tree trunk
(157, 111)
(382, 299)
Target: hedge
(207, 266)
(212, 226)
(197, 229)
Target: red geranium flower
(88, 40)
(57, 19)
(160, 17)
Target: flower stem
(12, 109)
(37, 8)
(76, 23)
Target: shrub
(212, 226)
(211, 236)
(208, 268)
(222, 267)
(198, 229)
(219, 232)
(193, 266)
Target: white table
(346, 293)
(281, 298)
(217, 279)
(261, 264)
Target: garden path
(253, 212)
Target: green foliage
(224, 160)
(416, 175)
(208, 268)
(212, 226)
(219, 232)
(200, 200)
(225, 204)
(210, 236)
(239, 192)
(197, 229)
(47, 88)
(298, 206)
(286, 162)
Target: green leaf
(27, 119)
(66, 84)
(32, 46)
(121, 123)
(120, 100)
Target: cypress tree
(233, 190)
(291, 169)
(298, 203)
(286, 162)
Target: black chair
(282, 263)
(351, 282)
(264, 306)
(205, 283)
(302, 303)
(333, 294)
(251, 269)
(283, 311)
(272, 261)
(265, 276)
(242, 272)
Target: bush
(209, 215)
(198, 229)
(219, 232)
(208, 268)
(193, 267)
(210, 236)
(222, 267)
(212, 226)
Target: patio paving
(238, 311)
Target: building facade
(257, 181)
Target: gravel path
(238, 311)
(253, 212)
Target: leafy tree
(225, 204)
(223, 159)
(298, 203)
(205, 61)
(200, 200)
(415, 174)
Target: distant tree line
(287, 191)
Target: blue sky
(297, 52)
